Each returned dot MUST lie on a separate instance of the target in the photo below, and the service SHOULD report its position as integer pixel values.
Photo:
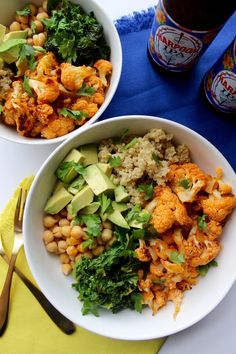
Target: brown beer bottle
(183, 29)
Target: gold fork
(18, 242)
(61, 321)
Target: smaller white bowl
(128, 325)
(113, 40)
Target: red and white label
(223, 90)
(176, 48)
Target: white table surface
(215, 334)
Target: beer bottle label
(220, 81)
(174, 47)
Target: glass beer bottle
(219, 83)
(183, 29)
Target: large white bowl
(127, 324)
(6, 16)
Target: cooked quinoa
(147, 159)
(6, 76)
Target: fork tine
(18, 208)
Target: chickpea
(22, 19)
(72, 241)
(88, 254)
(39, 39)
(40, 9)
(52, 247)
(100, 241)
(71, 251)
(41, 16)
(78, 257)
(111, 241)
(77, 232)
(65, 230)
(45, 5)
(48, 236)
(30, 33)
(49, 221)
(106, 235)
(57, 231)
(64, 222)
(80, 248)
(64, 258)
(15, 26)
(107, 224)
(33, 9)
(62, 245)
(70, 217)
(37, 25)
(24, 27)
(98, 250)
(72, 263)
(66, 268)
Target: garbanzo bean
(64, 258)
(98, 250)
(71, 251)
(49, 221)
(62, 245)
(48, 236)
(22, 19)
(37, 25)
(39, 39)
(33, 9)
(45, 5)
(66, 230)
(77, 232)
(15, 26)
(66, 268)
(107, 224)
(57, 231)
(64, 222)
(41, 16)
(52, 247)
(106, 235)
(72, 241)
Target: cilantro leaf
(185, 183)
(156, 158)
(76, 115)
(33, 27)
(85, 90)
(147, 189)
(176, 257)
(24, 12)
(138, 302)
(27, 86)
(88, 243)
(105, 203)
(65, 168)
(131, 144)
(115, 161)
(93, 223)
(201, 222)
(1, 108)
(137, 214)
(203, 269)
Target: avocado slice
(106, 168)
(81, 199)
(76, 156)
(117, 218)
(91, 208)
(90, 153)
(16, 35)
(76, 185)
(2, 32)
(97, 180)
(121, 194)
(10, 49)
(58, 201)
(120, 206)
(58, 186)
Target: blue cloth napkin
(143, 90)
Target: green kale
(74, 35)
(109, 281)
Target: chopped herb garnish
(203, 269)
(201, 222)
(1, 108)
(159, 281)
(138, 302)
(147, 189)
(185, 183)
(156, 158)
(65, 168)
(88, 243)
(76, 115)
(27, 52)
(92, 222)
(27, 86)
(123, 136)
(138, 215)
(33, 27)
(176, 257)
(89, 307)
(115, 161)
(131, 144)
(105, 203)
(85, 90)
(24, 12)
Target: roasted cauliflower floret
(187, 180)
(217, 208)
(47, 65)
(72, 77)
(83, 105)
(142, 252)
(46, 90)
(169, 211)
(104, 68)
(58, 127)
(94, 81)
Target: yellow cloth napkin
(29, 328)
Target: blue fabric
(144, 90)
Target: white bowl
(127, 324)
(113, 40)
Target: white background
(213, 335)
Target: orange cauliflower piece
(217, 208)
(83, 105)
(169, 210)
(187, 180)
(104, 68)
(142, 252)
(213, 229)
(46, 90)
(47, 65)
(58, 127)
(94, 81)
(72, 77)
(176, 296)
